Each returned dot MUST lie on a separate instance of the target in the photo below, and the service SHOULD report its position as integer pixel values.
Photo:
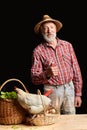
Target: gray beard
(49, 39)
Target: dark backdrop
(18, 38)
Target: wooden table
(65, 122)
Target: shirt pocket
(67, 59)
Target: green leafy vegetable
(9, 95)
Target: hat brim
(56, 22)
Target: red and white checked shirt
(64, 57)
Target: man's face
(48, 31)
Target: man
(54, 64)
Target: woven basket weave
(44, 120)
(10, 110)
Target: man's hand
(52, 70)
(78, 101)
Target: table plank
(68, 122)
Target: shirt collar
(58, 43)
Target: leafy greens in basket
(8, 95)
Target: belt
(59, 85)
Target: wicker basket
(43, 119)
(10, 110)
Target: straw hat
(47, 18)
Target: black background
(18, 39)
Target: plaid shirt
(64, 57)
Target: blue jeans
(62, 97)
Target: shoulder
(38, 48)
(65, 43)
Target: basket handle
(13, 79)
(41, 100)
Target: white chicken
(33, 103)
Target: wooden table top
(65, 122)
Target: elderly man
(54, 64)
